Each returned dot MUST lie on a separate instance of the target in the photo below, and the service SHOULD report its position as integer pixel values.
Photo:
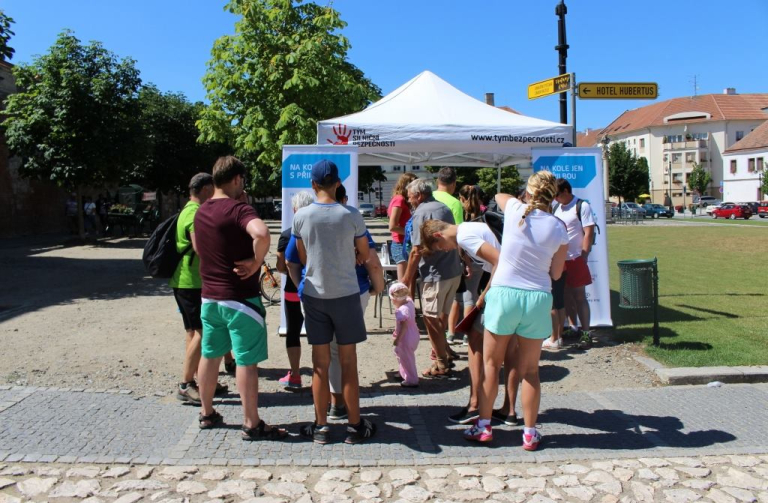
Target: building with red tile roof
(745, 163)
(675, 134)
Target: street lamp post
(759, 185)
(604, 142)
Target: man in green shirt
(187, 285)
(446, 187)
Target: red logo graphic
(342, 135)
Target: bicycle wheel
(270, 287)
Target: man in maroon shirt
(232, 241)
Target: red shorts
(578, 273)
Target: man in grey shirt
(331, 298)
(440, 273)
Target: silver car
(366, 209)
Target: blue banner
(297, 168)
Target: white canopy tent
(428, 121)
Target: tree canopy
(75, 117)
(699, 179)
(171, 154)
(284, 69)
(6, 51)
(628, 175)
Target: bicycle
(270, 285)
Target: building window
(690, 157)
(360, 196)
(415, 168)
(751, 165)
(759, 163)
(395, 168)
(739, 135)
(642, 142)
(700, 136)
(733, 166)
(676, 158)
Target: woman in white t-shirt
(518, 304)
(478, 241)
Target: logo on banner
(342, 135)
(359, 137)
(579, 170)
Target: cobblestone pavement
(710, 479)
(107, 426)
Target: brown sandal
(260, 432)
(209, 421)
(435, 371)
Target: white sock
(530, 431)
(482, 423)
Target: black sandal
(260, 432)
(209, 421)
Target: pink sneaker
(531, 442)
(290, 381)
(478, 434)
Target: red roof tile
(758, 138)
(510, 110)
(589, 139)
(718, 106)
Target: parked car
(753, 205)
(762, 209)
(366, 209)
(380, 211)
(633, 208)
(656, 210)
(718, 204)
(732, 211)
(705, 201)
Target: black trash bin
(639, 288)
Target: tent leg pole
(498, 178)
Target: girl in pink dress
(406, 335)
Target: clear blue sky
(497, 46)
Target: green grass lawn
(713, 293)
(740, 221)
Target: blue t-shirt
(363, 280)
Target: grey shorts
(468, 297)
(342, 316)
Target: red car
(380, 211)
(732, 211)
(762, 209)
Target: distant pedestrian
(232, 242)
(406, 334)
(399, 213)
(89, 214)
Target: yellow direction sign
(550, 86)
(618, 90)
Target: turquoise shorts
(236, 326)
(515, 311)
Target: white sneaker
(550, 344)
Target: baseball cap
(323, 169)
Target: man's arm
(280, 264)
(259, 232)
(194, 241)
(558, 262)
(413, 266)
(302, 251)
(375, 272)
(363, 250)
(586, 242)
(294, 272)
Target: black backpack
(579, 204)
(160, 255)
(495, 221)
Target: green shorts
(234, 325)
(515, 311)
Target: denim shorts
(397, 252)
(516, 311)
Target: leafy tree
(368, 178)
(764, 187)
(628, 175)
(6, 52)
(171, 152)
(699, 179)
(511, 182)
(284, 69)
(75, 119)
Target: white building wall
(743, 185)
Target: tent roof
(427, 120)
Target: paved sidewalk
(99, 426)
